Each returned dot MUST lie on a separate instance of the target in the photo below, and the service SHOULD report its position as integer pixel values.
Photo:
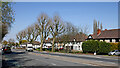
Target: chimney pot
(105, 29)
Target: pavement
(0, 58)
(21, 58)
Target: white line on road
(99, 61)
(98, 57)
(53, 64)
(37, 59)
(26, 56)
(20, 54)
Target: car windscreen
(115, 51)
(30, 47)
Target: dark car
(6, 50)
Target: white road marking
(53, 64)
(36, 59)
(20, 54)
(99, 61)
(26, 56)
(89, 64)
(111, 62)
(98, 57)
(56, 56)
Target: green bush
(104, 48)
(114, 46)
(62, 51)
(38, 49)
(91, 46)
(119, 46)
(75, 52)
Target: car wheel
(114, 54)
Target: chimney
(105, 29)
(48, 39)
(98, 31)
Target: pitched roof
(24, 43)
(93, 36)
(113, 33)
(35, 42)
(77, 37)
(47, 41)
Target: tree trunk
(53, 42)
(41, 45)
(41, 41)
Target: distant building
(36, 44)
(47, 43)
(74, 42)
(111, 35)
(23, 45)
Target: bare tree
(20, 36)
(84, 29)
(70, 28)
(44, 28)
(35, 32)
(101, 26)
(11, 42)
(56, 28)
(27, 33)
(95, 28)
(30, 33)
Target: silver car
(114, 52)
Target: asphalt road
(21, 58)
(88, 57)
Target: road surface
(21, 58)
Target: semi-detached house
(112, 35)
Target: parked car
(114, 52)
(6, 50)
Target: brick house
(111, 35)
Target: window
(113, 40)
(90, 37)
(117, 40)
(30, 47)
(110, 40)
(76, 48)
(79, 47)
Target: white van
(29, 47)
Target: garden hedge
(91, 46)
(119, 46)
(114, 46)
